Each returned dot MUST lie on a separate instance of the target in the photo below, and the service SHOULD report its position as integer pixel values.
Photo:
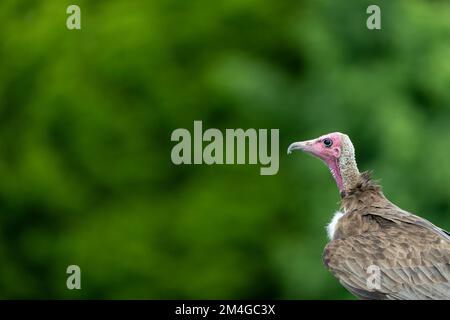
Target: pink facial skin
(329, 154)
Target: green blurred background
(86, 117)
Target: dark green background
(86, 117)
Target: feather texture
(411, 254)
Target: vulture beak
(301, 145)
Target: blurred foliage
(86, 118)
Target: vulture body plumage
(376, 249)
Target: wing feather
(414, 263)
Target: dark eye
(327, 142)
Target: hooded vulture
(376, 249)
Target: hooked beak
(301, 145)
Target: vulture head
(337, 151)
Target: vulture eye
(327, 142)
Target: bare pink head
(337, 151)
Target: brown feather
(413, 254)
